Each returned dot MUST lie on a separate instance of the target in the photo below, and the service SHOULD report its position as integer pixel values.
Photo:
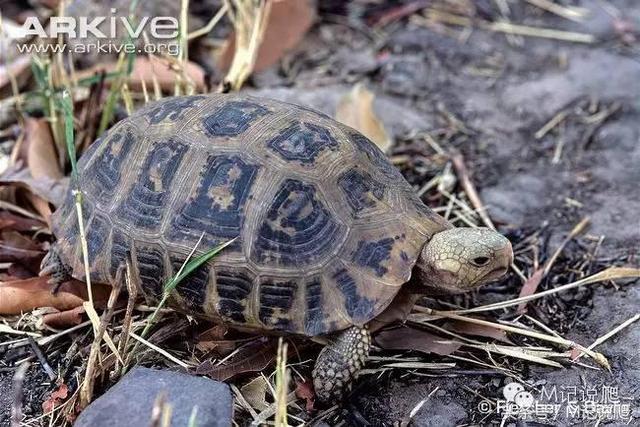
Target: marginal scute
(151, 267)
(217, 206)
(146, 203)
(233, 287)
(314, 314)
(297, 230)
(276, 300)
(120, 244)
(233, 118)
(302, 142)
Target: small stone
(131, 400)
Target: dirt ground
(501, 90)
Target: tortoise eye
(480, 261)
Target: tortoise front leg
(339, 362)
(53, 265)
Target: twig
(42, 359)
(159, 350)
(132, 280)
(86, 392)
(405, 422)
(505, 27)
(579, 228)
(545, 33)
(210, 25)
(249, 18)
(282, 385)
(599, 358)
(555, 121)
(571, 13)
(469, 189)
(612, 333)
(610, 273)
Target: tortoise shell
(327, 229)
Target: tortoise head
(460, 259)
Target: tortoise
(327, 231)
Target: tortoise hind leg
(339, 362)
(52, 265)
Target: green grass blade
(191, 265)
(67, 111)
(187, 268)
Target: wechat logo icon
(515, 393)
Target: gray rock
(131, 400)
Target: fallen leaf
(304, 390)
(288, 22)
(15, 222)
(146, 69)
(55, 399)
(42, 158)
(63, 319)
(24, 295)
(51, 190)
(479, 330)
(253, 357)
(255, 393)
(406, 338)
(529, 288)
(211, 338)
(355, 109)
(16, 248)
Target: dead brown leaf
(41, 157)
(478, 330)
(63, 319)
(15, 222)
(529, 288)
(16, 248)
(406, 338)
(56, 398)
(51, 190)
(213, 338)
(255, 393)
(253, 357)
(304, 390)
(355, 109)
(288, 22)
(146, 69)
(24, 295)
